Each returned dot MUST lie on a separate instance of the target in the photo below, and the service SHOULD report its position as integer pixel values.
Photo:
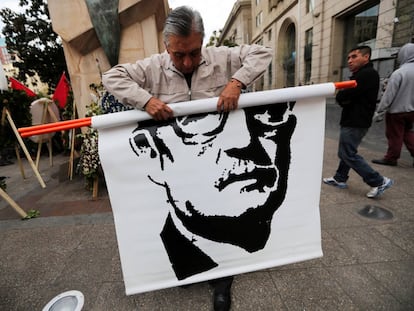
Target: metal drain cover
(376, 212)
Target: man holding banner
(243, 167)
(187, 71)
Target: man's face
(185, 52)
(238, 163)
(356, 60)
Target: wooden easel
(23, 146)
(47, 115)
(13, 204)
(7, 114)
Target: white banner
(209, 195)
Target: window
(233, 37)
(270, 75)
(289, 55)
(365, 25)
(310, 5)
(361, 28)
(274, 3)
(259, 19)
(308, 54)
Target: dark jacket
(185, 257)
(358, 104)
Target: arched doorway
(287, 53)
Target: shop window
(308, 54)
(361, 29)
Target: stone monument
(98, 34)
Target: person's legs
(222, 293)
(350, 138)
(342, 172)
(409, 132)
(394, 131)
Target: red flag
(16, 85)
(61, 91)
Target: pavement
(368, 261)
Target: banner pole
(137, 115)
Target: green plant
(31, 214)
(3, 184)
(89, 163)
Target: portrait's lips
(264, 177)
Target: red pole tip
(345, 84)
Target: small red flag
(16, 85)
(61, 91)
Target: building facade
(238, 28)
(311, 38)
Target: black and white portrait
(208, 195)
(252, 168)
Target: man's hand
(229, 97)
(158, 110)
(378, 117)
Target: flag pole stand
(95, 188)
(47, 113)
(72, 145)
(50, 145)
(19, 161)
(40, 141)
(23, 146)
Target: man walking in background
(358, 106)
(397, 104)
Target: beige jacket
(156, 76)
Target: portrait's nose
(237, 124)
(247, 145)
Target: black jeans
(349, 141)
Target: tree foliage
(215, 37)
(30, 37)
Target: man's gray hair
(182, 21)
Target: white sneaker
(377, 191)
(332, 181)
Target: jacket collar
(368, 65)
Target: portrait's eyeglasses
(200, 128)
(261, 121)
(203, 128)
